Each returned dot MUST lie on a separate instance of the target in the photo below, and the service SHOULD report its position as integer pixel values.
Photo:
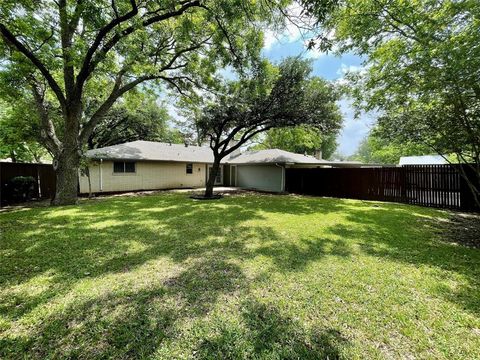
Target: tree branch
(90, 62)
(15, 43)
(48, 130)
(87, 67)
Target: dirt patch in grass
(463, 229)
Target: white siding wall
(148, 176)
(260, 177)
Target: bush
(22, 188)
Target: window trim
(191, 168)
(124, 172)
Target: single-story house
(422, 160)
(147, 165)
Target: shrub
(22, 188)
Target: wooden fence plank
(425, 185)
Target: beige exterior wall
(261, 177)
(148, 176)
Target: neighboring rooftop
(422, 160)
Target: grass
(258, 276)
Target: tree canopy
(68, 54)
(138, 117)
(299, 139)
(271, 97)
(375, 149)
(422, 68)
(19, 133)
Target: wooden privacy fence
(426, 185)
(42, 173)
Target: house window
(120, 167)
(189, 168)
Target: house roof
(274, 156)
(153, 151)
(422, 160)
(157, 151)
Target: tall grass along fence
(426, 185)
(21, 182)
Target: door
(233, 175)
(219, 177)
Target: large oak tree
(70, 53)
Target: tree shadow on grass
(89, 241)
(265, 333)
(128, 323)
(70, 243)
(399, 234)
(113, 237)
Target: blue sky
(329, 67)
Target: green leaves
(300, 139)
(270, 99)
(422, 68)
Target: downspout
(101, 175)
(283, 177)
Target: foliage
(21, 188)
(70, 54)
(19, 133)
(378, 150)
(421, 75)
(190, 110)
(137, 118)
(250, 276)
(299, 139)
(272, 97)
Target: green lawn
(252, 276)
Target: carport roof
(272, 156)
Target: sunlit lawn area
(252, 276)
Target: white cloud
(294, 29)
(269, 39)
(346, 69)
(354, 129)
(314, 53)
(295, 20)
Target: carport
(264, 170)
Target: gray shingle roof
(157, 151)
(274, 156)
(153, 151)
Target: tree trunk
(66, 171)
(211, 178)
